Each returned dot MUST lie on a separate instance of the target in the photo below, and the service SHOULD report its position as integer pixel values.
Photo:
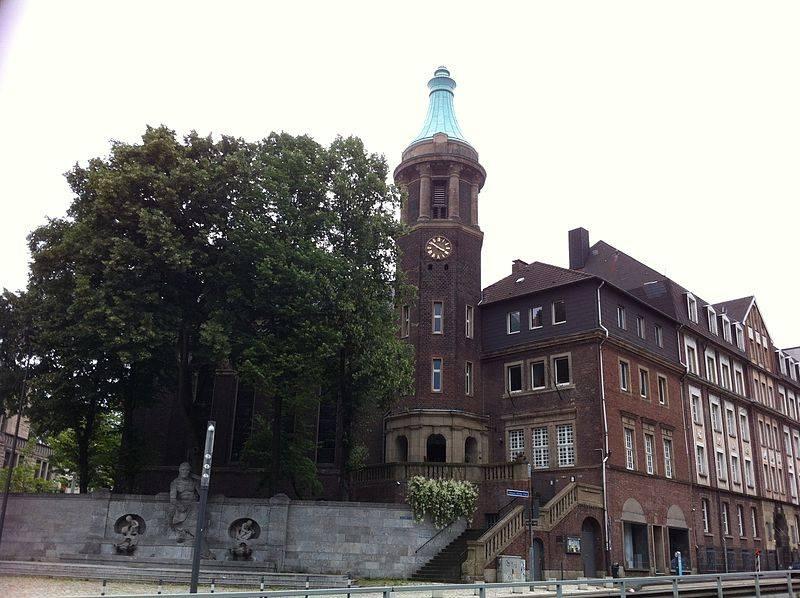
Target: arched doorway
(436, 449)
(537, 560)
(401, 448)
(470, 450)
(590, 546)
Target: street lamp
(205, 478)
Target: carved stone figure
(130, 536)
(183, 496)
(241, 550)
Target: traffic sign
(517, 493)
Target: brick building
(642, 419)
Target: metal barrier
(724, 583)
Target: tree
(14, 349)
(102, 454)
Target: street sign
(517, 493)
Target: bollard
(674, 587)
(160, 586)
(349, 582)
(719, 587)
(789, 584)
(103, 588)
(307, 586)
(213, 585)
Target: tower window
(439, 200)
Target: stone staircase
(170, 573)
(446, 566)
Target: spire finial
(441, 117)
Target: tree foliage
(275, 257)
(443, 501)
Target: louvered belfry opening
(439, 200)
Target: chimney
(517, 266)
(578, 248)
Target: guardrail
(724, 584)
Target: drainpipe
(686, 426)
(605, 430)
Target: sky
(669, 129)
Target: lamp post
(205, 478)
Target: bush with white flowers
(443, 501)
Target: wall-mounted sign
(573, 545)
(517, 493)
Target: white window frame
(521, 367)
(624, 375)
(716, 415)
(691, 307)
(541, 447)
(553, 312)
(689, 342)
(667, 457)
(468, 378)
(630, 451)
(437, 318)
(722, 465)
(735, 477)
(702, 459)
(649, 458)
(749, 473)
(744, 426)
(725, 381)
(533, 362)
(663, 389)
(706, 519)
(641, 327)
(730, 421)
(469, 321)
(565, 445)
(508, 322)
(726, 328)
(725, 517)
(740, 517)
(696, 404)
(711, 315)
(711, 371)
(540, 310)
(516, 443)
(659, 333)
(644, 389)
(739, 336)
(554, 368)
(434, 372)
(621, 319)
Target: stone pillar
(474, 203)
(404, 203)
(277, 524)
(424, 191)
(453, 201)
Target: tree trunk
(342, 425)
(277, 433)
(84, 439)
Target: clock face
(438, 248)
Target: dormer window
(691, 307)
(439, 200)
(739, 337)
(712, 319)
(726, 328)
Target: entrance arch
(590, 546)
(401, 448)
(436, 449)
(470, 450)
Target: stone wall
(363, 539)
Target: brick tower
(441, 256)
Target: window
(659, 331)
(754, 521)
(740, 519)
(730, 421)
(436, 375)
(691, 356)
(541, 448)
(748, 472)
(706, 518)
(725, 371)
(439, 200)
(644, 383)
(516, 444)
(722, 467)
(697, 409)
(726, 328)
(725, 528)
(535, 317)
(739, 337)
(662, 390)
(512, 322)
(405, 321)
(438, 317)
(561, 370)
(744, 426)
(566, 445)
(468, 378)
(559, 312)
(712, 320)
(648, 454)
(691, 307)
(514, 378)
(735, 469)
(711, 368)
(538, 378)
(630, 461)
(640, 326)
(624, 376)
(469, 322)
(739, 379)
(716, 419)
(668, 457)
(621, 317)
(701, 460)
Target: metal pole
(7, 488)
(205, 478)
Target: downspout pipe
(605, 430)
(686, 426)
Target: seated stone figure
(183, 496)
(241, 551)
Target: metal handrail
(624, 583)
(436, 535)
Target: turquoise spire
(441, 116)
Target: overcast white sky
(669, 129)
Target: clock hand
(437, 247)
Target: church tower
(441, 256)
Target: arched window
(436, 449)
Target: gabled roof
(793, 352)
(736, 309)
(530, 278)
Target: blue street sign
(517, 493)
